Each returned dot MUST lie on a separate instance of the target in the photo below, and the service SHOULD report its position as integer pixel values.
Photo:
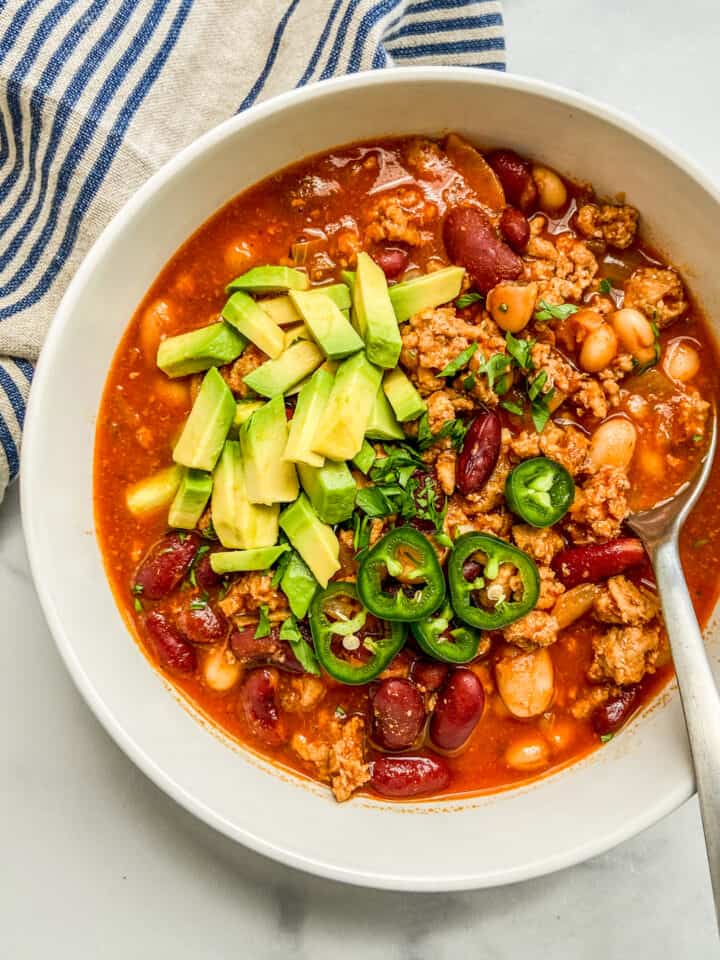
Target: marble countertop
(98, 863)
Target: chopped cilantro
(263, 627)
(554, 311)
(697, 438)
(536, 384)
(520, 351)
(340, 712)
(361, 534)
(373, 502)
(503, 307)
(199, 603)
(540, 411)
(469, 382)
(454, 429)
(300, 647)
(605, 286)
(700, 543)
(644, 367)
(280, 567)
(137, 603)
(605, 737)
(444, 540)
(460, 361)
(512, 407)
(466, 299)
(495, 369)
(137, 589)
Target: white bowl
(638, 778)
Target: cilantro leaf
(280, 567)
(520, 351)
(263, 627)
(460, 361)
(304, 653)
(605, 286)
(606, 737)
(373, 502)
(540, 410)
(469, 382)
(466, 299)
(554, 311)
(639, 368)
(536, 384)
(512, 407)
(137, 604)
(454, 429)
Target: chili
(470, 581)
(355, 669)
(442, 638)
(540, 491)
(406, 557)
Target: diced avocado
(190, 500)
(374, 313)
(311, 403)
(329, 366)
(207, 426)
(239, 561)
(406, 402)
(329, 328)
(268, 478)
(432, 289)
(275, 377)
(298, 584)
(281, 310)
(155, 492)
(239, 524)
(270, 280)
(252, 322)
(210, 346)
(314, 540)
(382, 424)
(341, 430)
(244, 410)
(331, 489)
(298, 331)
(348, 277)
(339, 293)
(366, 458)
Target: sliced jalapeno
(443, 638)
(351, 645)
(400, 578)
(477, 596)
(540, 491)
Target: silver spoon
(659, 529)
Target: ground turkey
(562, 266)
(620, 601)
(616, 224)
(659, 294)
(624, 655)
(600, 506)
(535, 629)
(339, 757)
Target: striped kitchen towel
(95, 95)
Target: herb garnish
(137, 603)
(605, 737)
(554, 311)
(455, 430)
(304, 653)
(263, 627)
(605, 286)
(512, 407)
(460, 361)
(137, 589)
(199, 603)
(466, 299)
(644, 367)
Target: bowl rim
(596, 845)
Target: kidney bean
(267, 649)
(165, 564)
(257, 705)
(202, 624)
(515, 176)
(398, 714)
(515, 228)
(479, 454)
(418, 495)
(409, 776)
(392, 261)
(471, 241)
(611, 715)
(472, 569)
(429, 674)
(205, 576)
(458, 710)
(597, 561)
(172, 648)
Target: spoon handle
(698, 692)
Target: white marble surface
(97, 863)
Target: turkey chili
(365, 456)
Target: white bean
(526, 682)
(613, 443)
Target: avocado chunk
(281, 310)
(211, 346)
(406, 402)
(240, 561)
(270, 280)
(374, 313)
(275, 377)
(314, 540)
(252, 322)
(190, 500)
(329, 366)
(268, 478)
(298, 584)
(298, 331)
(331, 489)
(311, 403)
(339, 293)
(244, 410)
(382, 424)
(365, 458)
(239, 524)
(329, 328)
(421, 293)
(155, 492)
(207, 426)
(341, 430)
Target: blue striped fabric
(89, 109)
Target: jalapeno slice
(352, 646)
(443, 638)
(540, 491)
(479, 596)
(400, 578)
